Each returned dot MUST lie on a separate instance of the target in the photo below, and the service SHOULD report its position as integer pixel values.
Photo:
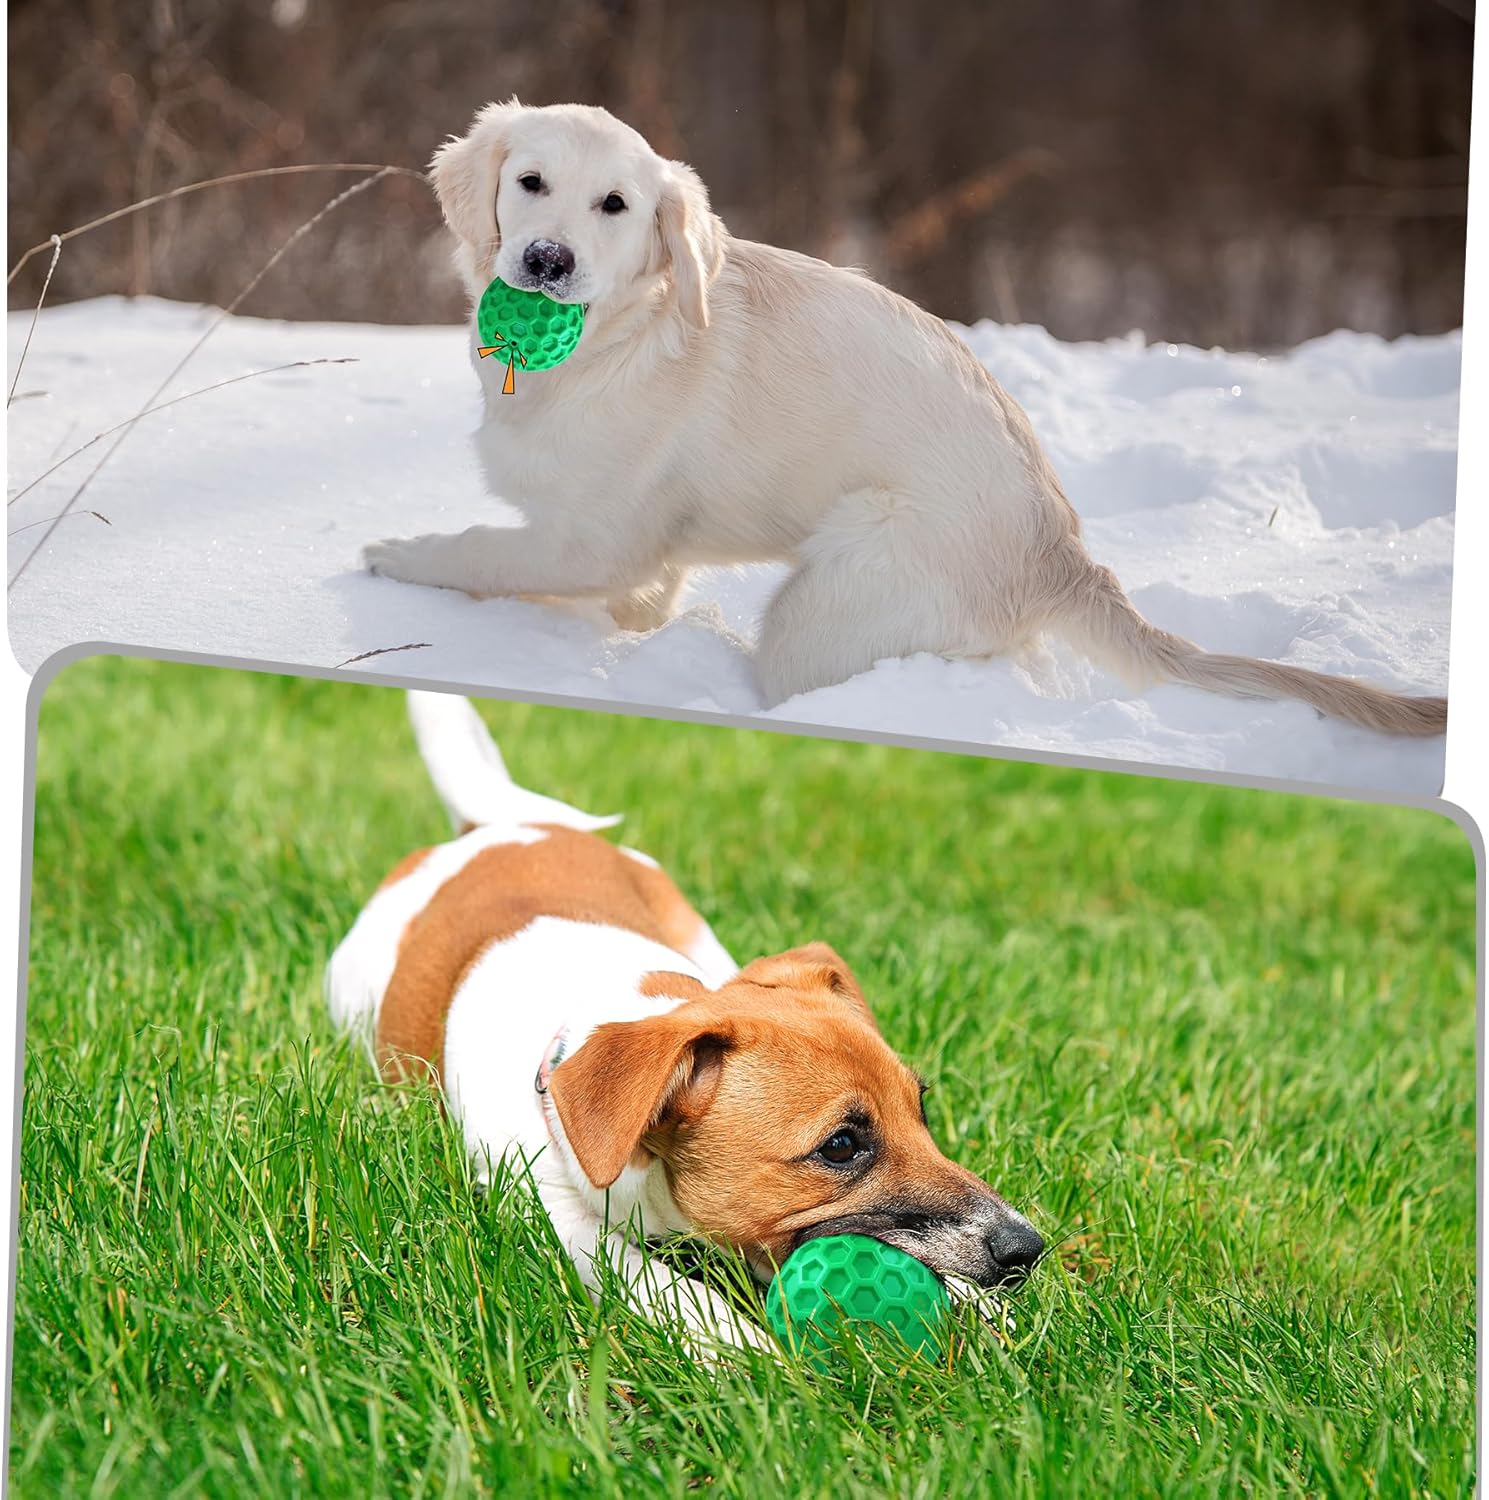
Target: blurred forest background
(1241, 172)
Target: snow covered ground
(1298, 508)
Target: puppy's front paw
(403, 558)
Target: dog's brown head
(780, 1114)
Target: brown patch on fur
(628, 1075)
(675, 918)
(568, 874)
(814, 967)
(664, 984)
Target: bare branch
(925, 228)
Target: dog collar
(553, 1055)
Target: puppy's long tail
(470, 776)
(1094, 611)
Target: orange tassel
(484, 351)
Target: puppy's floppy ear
(465, 171)
(689, 241)
(633, 1078)
(813, 967)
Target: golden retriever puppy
(730, 402)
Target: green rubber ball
(849, 1278)
(542, 331)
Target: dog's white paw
(721, 1344)
(988, 1305)
(386, 558)
(396, 557)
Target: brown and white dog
(581, 1016)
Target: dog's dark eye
(614, 204)
(841, 1147)
(532, 181)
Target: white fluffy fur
(730, 402)
(470, 776)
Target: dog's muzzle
(1014, 1245)
(987, 1242)
(547, 266)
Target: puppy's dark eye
(532, 181)
(614, 204)
(841, 1148)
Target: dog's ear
(689, 241)
(632, 1079)
(815, 967)
(465, 171)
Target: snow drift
(1298, 508)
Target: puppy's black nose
(547, 260)
(1014, 1246)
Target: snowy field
(1298, 508)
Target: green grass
(1219, 1042)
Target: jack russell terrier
(581, 1017)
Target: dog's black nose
(1014, 1246)
(547, 260)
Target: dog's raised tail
(1099, 617)
(470, 775)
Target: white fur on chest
(554, 977)
(840, 389)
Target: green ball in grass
(540, 332)
(849, 1278)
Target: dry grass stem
(377, 174)
(150, 411)
(97, 515)
(384, 651)
(35, 314)
(195, 187)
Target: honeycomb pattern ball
(542, 332)
(849, 1278)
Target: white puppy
(730, 402)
